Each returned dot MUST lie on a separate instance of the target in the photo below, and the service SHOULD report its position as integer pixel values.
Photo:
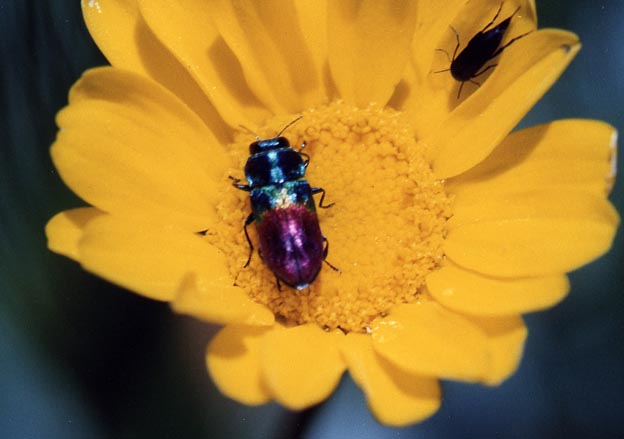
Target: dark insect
(291, 242)
(483, 47)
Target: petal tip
(217, 302)
(610, 179)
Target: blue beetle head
(268, 145)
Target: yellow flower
(446, 227)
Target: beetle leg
(248, 221)
(325, 251)
(278, 283)
(317, 190)
(483, 71)
(471, 81)
(237, 185)
(306, 162)
(454, 51)
(500, 49)
(460, 89)
(457, 45)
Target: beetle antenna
(244, 128)
(500, 8)
(446, 53)
(292, 122)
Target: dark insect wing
(291, 240)
(480, 49)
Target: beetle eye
(254, 148)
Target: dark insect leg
(237, 185)
(306, 162)
(460, 89)
(454, 51)
(316, 190)
(500, 8)
(457, 45)
(248, 221)
(500, 49)
(471, 81)
(474, 82)
(278, 283)
(483, 71)
(325, 251)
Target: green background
(80, 358)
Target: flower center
(385, 229)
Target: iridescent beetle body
(290, 239)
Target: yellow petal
(186, 30)
(312, 20)
(426, 339)
(472, 293)
(65, 229)
(531, 204)
(233, 360)
(530, 234)
(149, 259)
(369, 43)
(532, 10)
(524, 72)
(112, 25)
(410, 95)
(126, 145)
(301, 365)
(433, 24)
(566, 154)
(395, 397)
(506, 337)
(219, 303)
(613, 162)
(123, 37)
(271, 50)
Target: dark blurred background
(80, 358)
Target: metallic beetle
(290, 239)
